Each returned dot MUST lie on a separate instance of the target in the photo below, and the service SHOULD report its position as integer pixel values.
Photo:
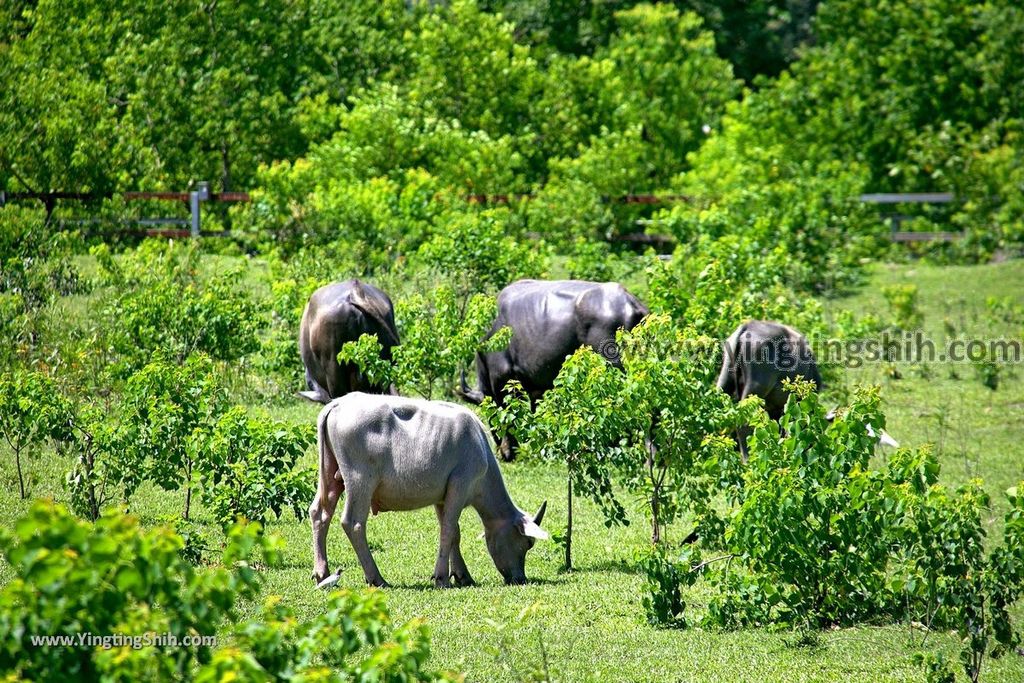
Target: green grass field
(589, 624)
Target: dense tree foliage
(370, 122)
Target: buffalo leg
(449, 557)
(441, 567)
(321, 512)
(742, 433)
(508, 447)
(353, 521)
(460, 572)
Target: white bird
(330, 581)
(883, 437)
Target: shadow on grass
(428, 585)
(617, 566)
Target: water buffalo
(758, 357)
(395, 453)
(550, 320)
(337, 313)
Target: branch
(700, 566)
(10, 167)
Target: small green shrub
(35, 269)
(903, 305)
(247, 467)
(474, 253)
(73, 577)
(105, 468)
(168, 412)
(157, 300)
(32, 410)
(348, 640)
(440, 335)
(665, 578)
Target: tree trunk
(225, 168)
(656, 531)
(21, 478)
(568, 525)
(94, 506)
(655, 486)
(188, 489)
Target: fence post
(200, 194)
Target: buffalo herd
(394, 453)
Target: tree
(247, 467)
(158, 301)
(106, 467)
(32, 410)
(36, 267)
(677, 419)
(671, 84)
(576, 423)
(169, 412)
(440, 335)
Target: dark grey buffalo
(759, 356)
(550, 320)
(337, 313)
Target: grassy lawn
(589, 624)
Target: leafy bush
(105, 467)
(114, 578)
(35, 269)
(169, 411)
(815, 536)
(32, 410)
(903, 305)
(35, 258)
(440, 334)
(73, 578)
(713, 284)
(248, 467)
(575, 423)
(811, 479)
(346, 641)
(665, 578)
(475, 255)
(159, 301)
(597, 262)
(657, 424)
(293, 281)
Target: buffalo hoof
(442, 582)
(378, 583)
(463, 581)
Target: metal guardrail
(193, 198)
(897, 219)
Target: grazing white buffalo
(396, 453)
